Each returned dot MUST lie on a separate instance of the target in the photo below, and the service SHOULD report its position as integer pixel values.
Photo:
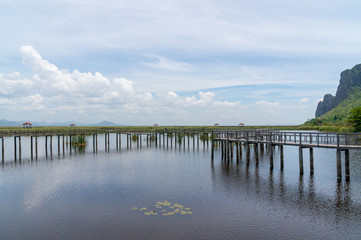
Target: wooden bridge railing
(311, 139)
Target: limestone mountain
(350, 83)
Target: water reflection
(273, 187)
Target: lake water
(89, 195)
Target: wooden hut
(27, 125)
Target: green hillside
(342, 111)
(337, 119)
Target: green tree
(355, 118)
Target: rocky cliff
(350, 79)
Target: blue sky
(173, 62)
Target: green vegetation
(339, 119)
(78, 140)
(355, 118)
(135, 137)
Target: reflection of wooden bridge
(339, 141)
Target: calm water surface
(91, 196)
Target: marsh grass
(78, 140)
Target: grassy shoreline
(323, 128)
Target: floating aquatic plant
(167, 209)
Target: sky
(173, 62)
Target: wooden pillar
(197, 140)
(208, 141)
(31, 148)
(231, 149)
(171, 140)
(271, 156)
(347, 165)
(58, 144)
(240, 150)
(116, 141)
(156, 139)
(63, 144)
(15, 149)
(120, 141)
(70, 147)
(222, 150)
(36, 146)
(51, 145)
(300, 159)
(212, 155)
(256, 152)
(338, 164)
(188, 139)
(248, 151)
(281, 158)
(19, 147)
(127, 140)
(311, 162)
(237, 150)
(2, 149)
(46, 145)
(167, 139)
(193, 141)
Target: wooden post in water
(248, 152)
(347, 165)
(156, 139)
(171, 140)
(193, 141)
(36, 146)
(63, 143)
(46, 145)
(120, 141)
(15, 149)
(31, 147)
(19, 147)
(338, 163)
(212, 155)
(311, 161)
(167, 138)
(51, 145)
(2, 149)
(271, 156)
(256, 152)
(58, 144)
(300, 156)
(281, 158)
(70, 145)
(197, 140)
(237, 150)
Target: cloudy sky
(173, 62)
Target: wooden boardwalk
(342, 142)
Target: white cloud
(304, 100)
(167, 64)
(70, 95)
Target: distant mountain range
(6, 123)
